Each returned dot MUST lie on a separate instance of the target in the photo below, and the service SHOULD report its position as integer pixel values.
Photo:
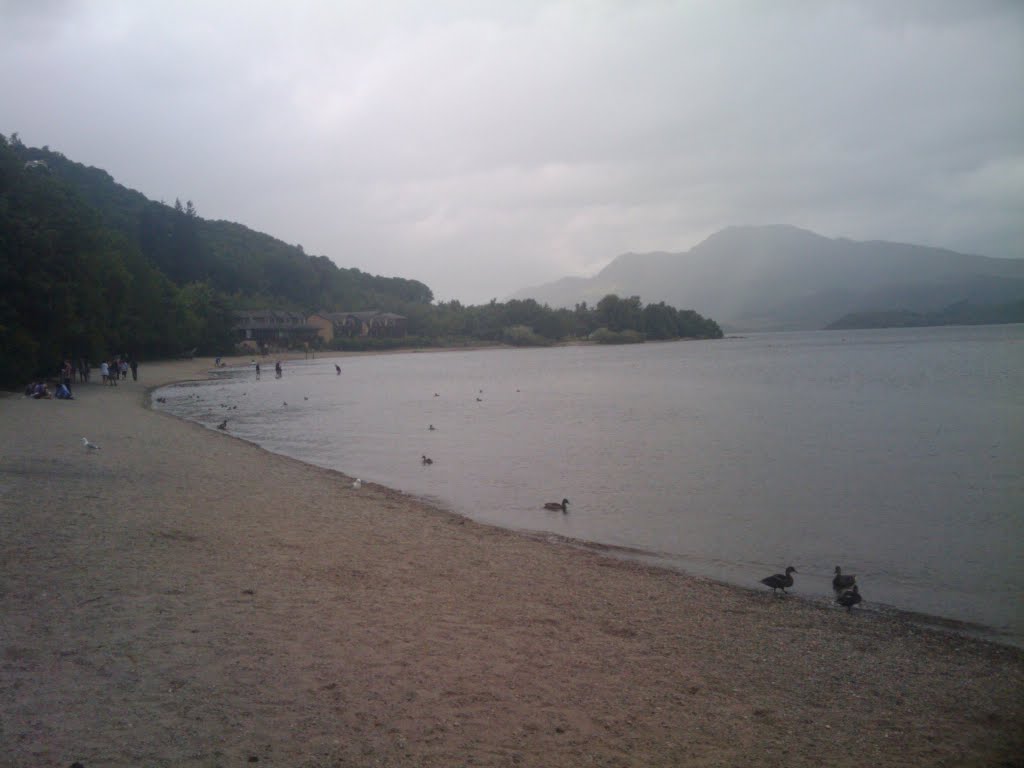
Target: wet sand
(182, 598)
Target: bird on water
(780, 581)
(427, 460)
(564, 506)
(840, 582)
(849, 598)
(89, 446)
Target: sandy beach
(182, 598)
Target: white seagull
(89, 446)
(357, 484)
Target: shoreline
(180, 599)
(949, 624)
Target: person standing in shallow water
(277, 369)
(257, 371)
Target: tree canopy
(93, 269)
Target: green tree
(617, 314)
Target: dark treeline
(961, 313)
(92, 269)
(525, 322)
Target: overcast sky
(482, 147)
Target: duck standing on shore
(840, 582)
(849, 598)
(564, 506)
(780, 581)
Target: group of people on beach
(38, 390)
(117, 369)
(75, 368)
(111, 372)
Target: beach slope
(182, 598)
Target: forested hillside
(232, 258)
(961, 313)
(91, 268)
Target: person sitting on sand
(66, 374)
(41, 392)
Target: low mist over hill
(785, 278)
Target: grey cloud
(483, 147)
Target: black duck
(840, 582)
(849, 598)
(780, 581)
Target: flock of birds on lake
(847, 594)
(845, 586)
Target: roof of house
(362, 315)
(271, 319)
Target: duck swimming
(840, 582)
(780, 581)
(849, 598)
(427, 460)
(564, 506)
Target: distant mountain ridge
(781, 277)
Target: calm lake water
(897, 454)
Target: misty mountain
(786, 278)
